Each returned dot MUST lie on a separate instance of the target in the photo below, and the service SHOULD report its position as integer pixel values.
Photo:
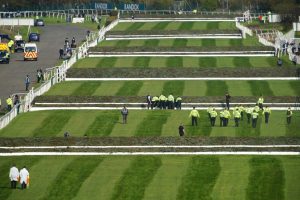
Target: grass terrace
(156, 177)
(141, 123)
(182, 88)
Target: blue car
(34, 37)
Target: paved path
(12, 76)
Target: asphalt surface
(12, 75)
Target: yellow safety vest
(194, 113)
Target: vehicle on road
(4, 53)
(19, 45)
(39, 22)
(30, 52)
(34, 37)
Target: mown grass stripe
(242, 62)
(161, 26)
(86, 88)
(151, 43)
(152, 123)
(130, 88)
(209, 42)
(107, 62)
(186, 26)
(236, 42)
(53, 123)
(180, 43)
(200, 178)
(266, 179)
(103, 123)
(173, 87)
(136, 178)
(135, 26)
(207, 62)
(5, 190)
(122, 43)
(260, 88)
(295, 85)
(212, 25)
(141, 62)
(215, 88)
(174, 62)
(204, 127)
(70, 179)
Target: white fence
(244, 29)
(55, 75)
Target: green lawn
(156, 177)
(181, 88)
(181, 43)
(140, 123)
(188, 62)
(146, 26)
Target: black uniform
(181, 130)
(227, 99)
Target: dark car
(19, 45)
(39, 22)
(34, 37)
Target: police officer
(260, 102)
(148, 99)
(242, 110)
(227, 116)
(178, 103)
(124, 113)
(209, 109)
(256, 108)
(248, 113)
(162, 101)
(267, 113)
(222, 118)
(10, 45)
(237, 116)
(254, 118)
(194, 114)
(289, 114)
(170, 101)
(154, 102)
(213, 116)
(9, 103)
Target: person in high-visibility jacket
(221, 118)
(256, 108)
(289, 114)
(254, 118)
(162, 101)
(170, 101)
(267, 113)
(213, 116)
(10, 45)
(178, 103)
(154, 102)
(209, 109)
(242, 110)
(194, 114)
(260, 102)
(248, 113)
(227, 116)
(237, 116)
(9, 103)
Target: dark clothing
(288, 120)
(248, 117)
(23, 185)
(267, 115)
(236, 120)
(254, 122)
(148, 99)
(227, 99)
(178, 105)
(260, 105)
(221, 121)
(13, 184)
(242, 116)
(225, 121)
(194, 121)
(124, 113)
(212, 121)
(27, 82)
(181, 130)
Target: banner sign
(132, 6)
(103, 6)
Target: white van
(30, 52)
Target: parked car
(4, 53)
(39, 22)
(19, 45)
(30, 52)
(34, 37)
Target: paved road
(12, 75)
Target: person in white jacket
(13, 176)
(24, 178)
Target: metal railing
(55, 75)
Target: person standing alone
(289, 114)
(181, 130)
(227, 99)
(194, 115)
(27, 82)
(14, 176)
(124, 113)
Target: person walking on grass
(181, 130)
(254, 119)
(248, 113)
(213, 116)
(267, 113)
(194, 114)
(124, 113)
(24, 178)
(289, 114)
(227, 99)
(13, 176)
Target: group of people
(163, 102)
(67, 50)
(21, 176)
